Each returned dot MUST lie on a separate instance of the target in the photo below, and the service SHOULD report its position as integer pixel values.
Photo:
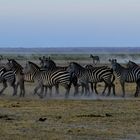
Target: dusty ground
(76, 118)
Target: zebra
(95, 75)
(18, 70)
(49, 64)
(129, 75)
(89, 66)
(136, 67)
(95, 59)
(7, 77)
(48, 78)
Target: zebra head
(13, 65)
(47, 63)
(9, 64)
(74, 68)
(113, 63)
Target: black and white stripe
(94, 75)
(18, 70)
(49, 64)
(49, 78)
(7, 77)
(129, 74)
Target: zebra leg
(123, 89)
(82, 92)
(67, 87)
(46, 89)
(95, 88)
(14, 89)
(113, 86)
(109, 89)
(106, 85)
(37, 88)
(22, 89)
(4, 87)
(50, 91)
(57, 89)
(75, 90)
(91, 84)
(87, 89)
(41, 91)
(137, 88)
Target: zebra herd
(47, 75)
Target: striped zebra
(48, 78)
(135, 67)
(86, 76)
(95, 84)
(18, 70)
(7, 76)
(129, 75)
(49, 64)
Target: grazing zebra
(95, 59)
(18, 70)
(49, 64)
(129, 75)
(7, 77)
(95, 75)
(48, 78)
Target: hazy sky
(69, 23)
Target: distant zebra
(18, 70)
(95, 59)
(7, 77)
(87, 76)
(49, 64)
(129, 74)
(48, 78)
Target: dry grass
(69, 119)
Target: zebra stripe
(18, 70)
(129, 75)
(49, 78)
(7, 76)
(97, 74)
(49, 64)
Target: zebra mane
(77, 65)
(15, 63)
(132, 63)
(33, 65)
(52, 62)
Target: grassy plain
(79, 118)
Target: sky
(69, 23)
